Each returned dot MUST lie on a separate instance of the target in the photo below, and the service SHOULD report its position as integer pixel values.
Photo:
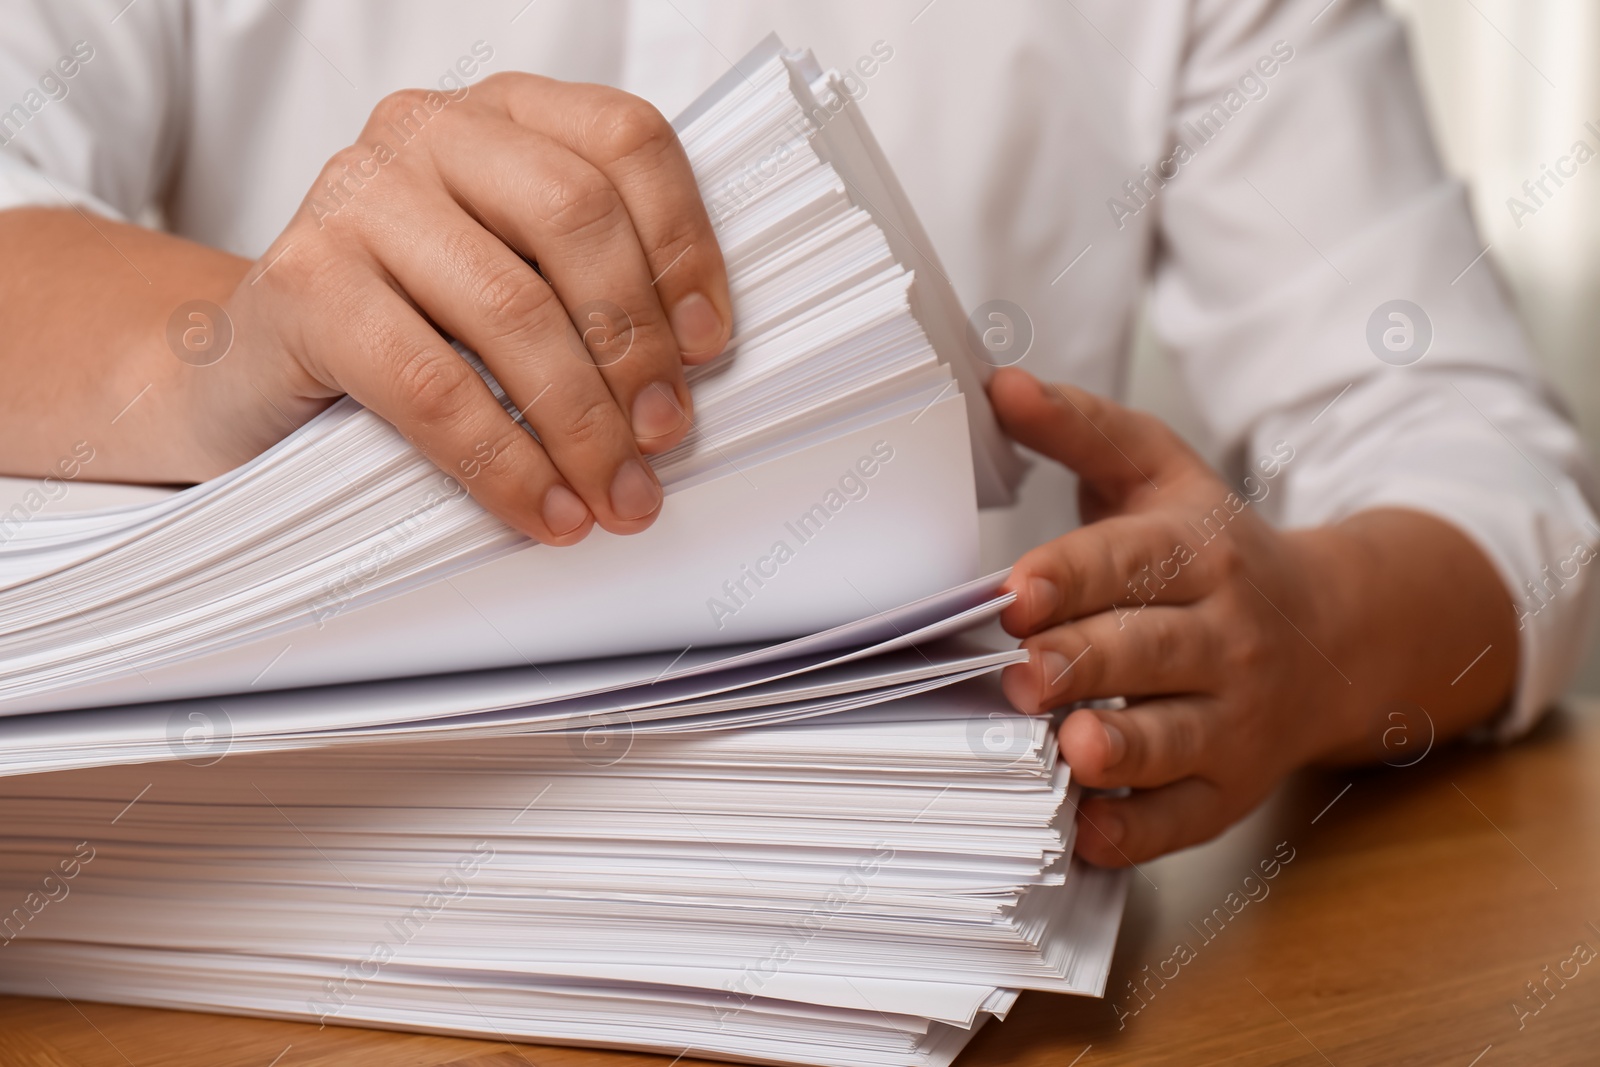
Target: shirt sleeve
(90, 92)
(1306, 209)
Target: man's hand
(1243, 651)
(430, 222)
(434, 217)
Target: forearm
(85, 352)
(1413, 615)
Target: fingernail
(696, 325)
(1043, 597)
(563, 511)
(1019, 688)
(634, 494)
(1116, 744)
(1053, 667)
(655, 412)
(1111, 828)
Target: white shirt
(1305, 194)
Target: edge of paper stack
(341, 554)
(839, 849)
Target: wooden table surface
(1418, 904)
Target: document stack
(838, 449)
(863, 888)
(320, 739)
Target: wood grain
(1417, 904)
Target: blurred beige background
(1510, 85)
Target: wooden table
(1417, 904)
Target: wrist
(1342, 624)
(1415, 617)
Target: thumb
(1115, 450)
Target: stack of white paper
(322, 739)
(861, 889)
(831, 469)
(840, 849)
(904, 651)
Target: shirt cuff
(1487, 453)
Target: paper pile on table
(322, 739)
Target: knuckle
(1123, 561)
(508, 79)
(341, 177)
(404, 108)
(496, 458)
(677, 247)
(322, 269)
(1140, 425)
(341, 163)
(1080, 402)
(1248, 649)
(626, 127)
(575, 203)
(1072, 577)
(1165, 645)
(1140, 428)
(687, 242)
(1181, 742)
(1173, 444)
(1227, 561)
(509, 302)
(1175, 537)
(689, 247)
(588, 423)
(429, 385)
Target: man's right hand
(430, 222)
